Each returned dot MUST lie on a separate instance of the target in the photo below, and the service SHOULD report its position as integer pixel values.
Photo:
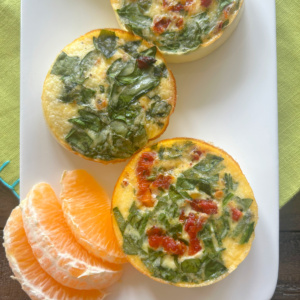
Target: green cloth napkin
(9, 89)
(288, 48)
(288, 61)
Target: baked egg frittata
(184, 212)
(107, 94)
(178, 27)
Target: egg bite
(184, 213)
(107, 94)
(183, 30)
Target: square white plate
(228, 98)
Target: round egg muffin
(183, 30)
(107, 94)
(184, 213)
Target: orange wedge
(87, 209)
(55, 247)
(34, 280)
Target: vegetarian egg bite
(107, 94)
(183, 30)
(184, 212)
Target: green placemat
(288, 48)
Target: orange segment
(55, 247)
(34, 280)
(87, 209)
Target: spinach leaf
(131, 47)
(139, 138)
(202, 20)
(174, 194)
(137, 219)
(79, 140)
(119, 218)
(149, 52)
(230, 184)
(88, 120)
(227, 198)
(242, 224)
(161, 70)
(106, 43)
(139, 88)
(221, 228)
(119, 127)
(173, 211)
(224, 3)
(204, 185)
(133, 17)
(160, 206)
(159, 109)
(144, 4)
(115, 68)
(214, 269)
(206, 237)
(121, 147)
(80, 95)
(185, 183)
(225, 23)
(65, 65)
(247, 233)
(243, 204)
(131, 246)
(169, 152)
(191, 265)
(89, 60)
(163, 220)
(175, 230)
(187, 39)
(129, 74)
(208, 164)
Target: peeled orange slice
(55, 247)
(34, 280)
(87, 209)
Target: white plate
(228, 98)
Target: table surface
(288, 285)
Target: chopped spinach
(227, 198)
(224, 3)
(247, 233)
(65, 65)
(79, 140)
(106, 43)
(149, 52)
(242, 225)
(159, 109)
(169, 152)
(243, 204)
(191, 265)
(89, 60)
(145, 4)
(208, 164)
(230, 184)
(132, 15)
(137, 219)
(221, 228)
(119, 218)
(115, 68)
(88, 120)
(132, 47)
(214, 269)
(185, 40)
(131, 246)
